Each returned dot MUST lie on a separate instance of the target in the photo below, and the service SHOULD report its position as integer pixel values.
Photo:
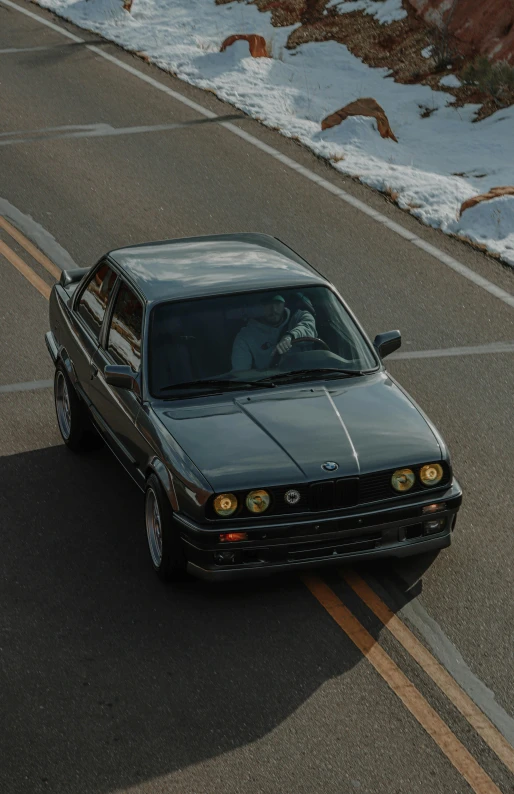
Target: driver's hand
(284, 345)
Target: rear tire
(163, 536)
(72, 418)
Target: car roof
(198, 266)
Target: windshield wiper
(306, 374)
(238, 384)
(269, 382)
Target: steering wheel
(276, 358)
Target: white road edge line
(448, 654)
(30, 385)
(477, 350)
(445, 259)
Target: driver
(273, 331)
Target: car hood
(283, 436)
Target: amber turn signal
(435, 508)
(230, 537)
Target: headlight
(258, 501)
(403, 479)
(225, 504)
(431, 474)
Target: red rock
(494, 192)
(257, 44)
(484, 27)
(361, 107)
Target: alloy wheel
(62, 404)
(153, 527)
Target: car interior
(193, 340)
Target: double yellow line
(20, 265)
(412, 699)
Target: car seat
(172, 357)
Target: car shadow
(52, 54)
(112, 678)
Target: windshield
(287, 334)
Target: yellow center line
(414, 701)
(30, 248)
(469, 710)
(25, 270)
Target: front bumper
(301, 543)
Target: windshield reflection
(212, 344)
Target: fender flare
(157, 467)
(62, 355)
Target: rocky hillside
(478, 27)
(419, 41)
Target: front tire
(74, 424)
(164, 543)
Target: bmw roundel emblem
(330, 465)
(292, 497)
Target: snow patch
(384, 11)
(450, 81)
(439, 161)
(491, 223)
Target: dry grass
(494, 79)
(426, 112)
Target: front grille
(338, 494)
(375, 487)
(333, 494)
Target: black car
(241, 394)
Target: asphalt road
(111, 681)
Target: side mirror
(387, 343)
(121, 376)
(73, 276)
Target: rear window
(124, 340)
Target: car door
(117, 409)
(89, 308)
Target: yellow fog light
(403, 479)
(225, 504)
(431, 474)
(258, 501)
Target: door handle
(94, 371)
